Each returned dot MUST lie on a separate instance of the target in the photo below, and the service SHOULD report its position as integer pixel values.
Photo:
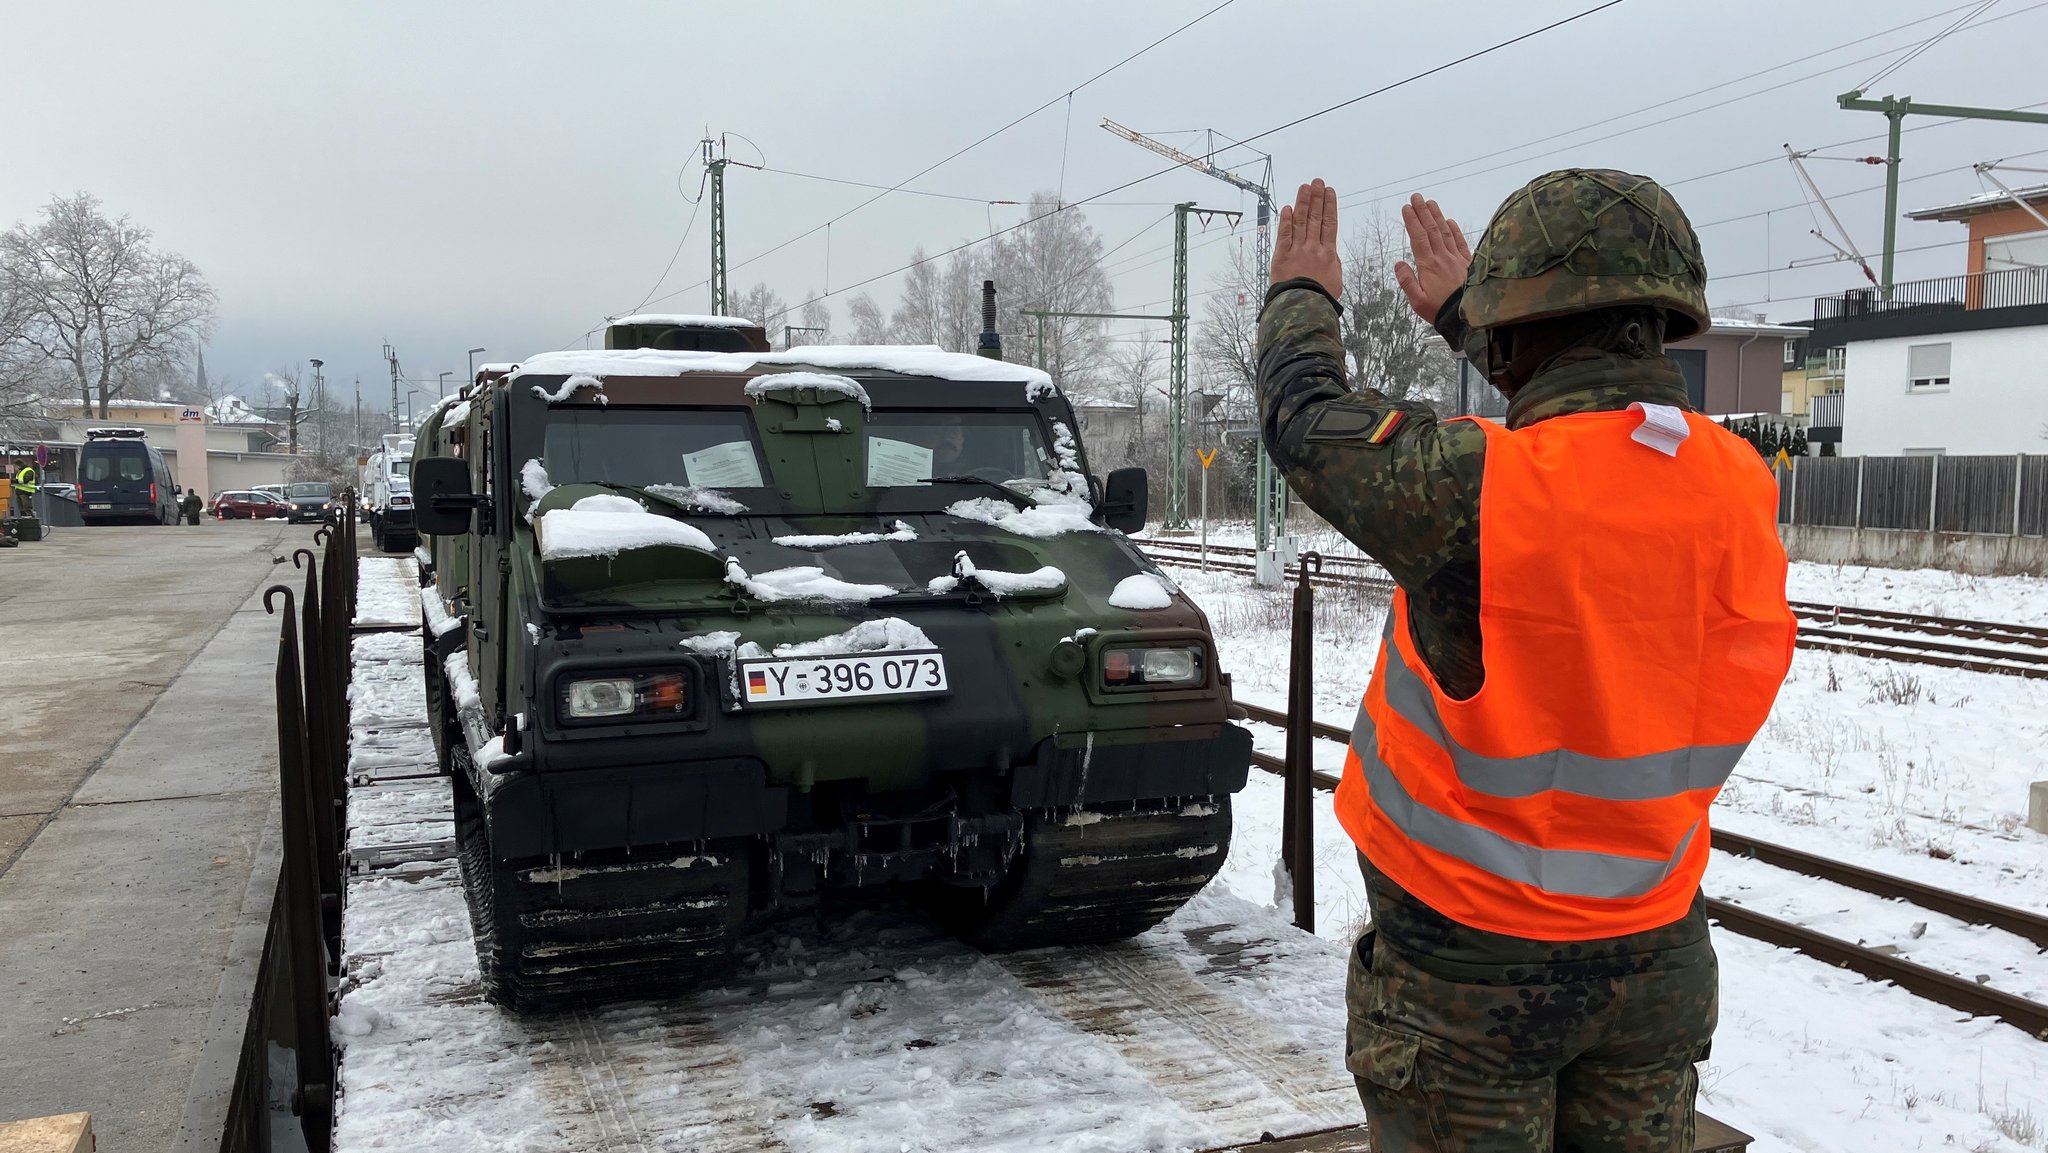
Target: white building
(1981, 393)
(1956, 366)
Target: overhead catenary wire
(1407, 182)
(981, 140)
(1930, 42)
(1363, 195)
(1299, 120)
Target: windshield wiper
(1023, 502)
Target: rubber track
(553, 935)
(1090, 877)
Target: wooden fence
(1994, 495)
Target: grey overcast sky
(443, 175)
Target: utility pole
(1896, 109)
(715, 165)
(790, 329)
(391, 358)
(1270, 490)
(359, 418)
(1177, 381)
(319, 407)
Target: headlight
(1130, 668)
(651, 695)
(329, 504)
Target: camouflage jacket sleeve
(1389, 475)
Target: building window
(2021, 250)
(1791, 352)
(1837, 362)
(1927, 366)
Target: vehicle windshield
(705, 448)
(904, 448)
(319, 490)
(116, 461)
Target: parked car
(310, 501)
(248, 504)
(276, 490)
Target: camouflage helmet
(1580, 239)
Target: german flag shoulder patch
(1383, 431)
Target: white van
(387, 494)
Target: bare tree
(99, 301)
(868, 324)
(1132, 378)
(1388, 347)
(1227, 342)
(762, 305)
(1053, 263)
(917, 319)
(960, 302)
(816, 315)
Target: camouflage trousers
(1554, 1059)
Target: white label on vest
(1663, 427)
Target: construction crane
(1271, 494)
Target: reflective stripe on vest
(1568, 871)
(1641, 778)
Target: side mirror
(442, 502)
(1124, 500)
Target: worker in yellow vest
(1589, 627)
(24, 499)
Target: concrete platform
(135, 799)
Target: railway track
(1884, 634)
(1921, 980)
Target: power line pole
(391, 358)
(1269, 494)
(715, 165)
(1896, 109)
(1177, 382)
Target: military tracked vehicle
(716, 630)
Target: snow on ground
(1913, 770)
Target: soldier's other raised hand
(1441, 257)
(1307, 244)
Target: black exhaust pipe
(991, 340)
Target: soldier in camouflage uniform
(1461, 1038)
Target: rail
(1894, 636)
(1922, 981)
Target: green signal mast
(1270, 490)
(1177, 380)
(1896, 109)
(714, 165)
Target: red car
(239, 504)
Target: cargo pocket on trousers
(1372, 1051)
(1383, 1056)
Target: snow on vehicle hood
(610, 525)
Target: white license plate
(823, 680)
(99, 506)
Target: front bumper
(536, 813)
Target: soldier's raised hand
(1307, 244)
(1441, 257)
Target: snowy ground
(866, 1030)
(1912, 770)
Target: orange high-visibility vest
(1632, 608)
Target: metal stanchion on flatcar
(321, 770)
(1297, 825)
(306, 967)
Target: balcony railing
(1824, 411)
(2004, 288)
